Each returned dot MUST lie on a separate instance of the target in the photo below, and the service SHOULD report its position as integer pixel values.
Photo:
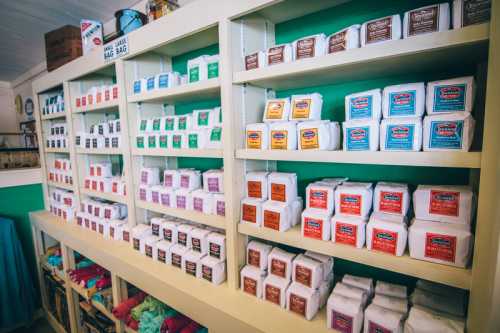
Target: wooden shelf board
(84, 292)
(429, 52)
(61, 185)
(210, 220)
(453, 276)
(56, 325)
(101, 308)
(187, 92)
(194, 297)
(106, 196)
(109, 106)
(102, 151)
(199, 153)
(429, 159)
(56, 115)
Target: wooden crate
(62, 45)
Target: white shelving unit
(239, 28)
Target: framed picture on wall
(28, 136)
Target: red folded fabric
(192, 327)
(132, 323)
(122, 310)
(175, 324)
(103, 282)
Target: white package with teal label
(401, 134)
(404, 100)
(453, 95)
(364, 105)
(361, 135)
(448, 132)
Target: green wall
(15, 203)
(332, 20)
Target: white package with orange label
(277, 109)
(257, 254)
(318, 135)
(302, 300)
(251, 211)
(252, 280)
(348, 230)
(257, 136)
(316, 224)
(279, 263)
(275, 290)
(282, 187)
(354, 198)
(444, 243)
(320, 195)
(307, 271)
(452, 204)
(306, 107)
(391, 198)
(277, 215)
(257, 185)
(387, 233)
(283, 135)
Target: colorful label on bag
(442, 247)
(298, 304)
(399, 137)
(254, 139)
(135, 242)
(249, 286)
(140, 142)
(180, 201)
(216, 134)
(379, 30)
(448, 98)
(252, 61)
(384, 241)
(446, 134)
(337, 42)
(303, 275)
(213, 185)
(169, 124)
(182, 238)
(176, 260)
(206, 273)
(150, 84)
(346, 233)
(272, 294)
(309, 138)
(275, 109)
(193, 140)
(126, 236)
(358, 138)
(376, 328)
(220, 208)
(423, 20)
(361, 107)
(278, 267)
(163, 141)
(446, 203)
(163, 81)
(167, 234)
(137, 87)
(253, 258)
(162, 256)
(350, 204)
(272, 220)
(191, 268)
(198, 205)
(152, 141)
(305, 48)
(155, 228)
(203, 118)
(313, 228)
(177, 141)
(475, 12)
(402, 103)
(249, 213)
(156, 124)
(148, 249)
(341, 322)
(254, 189)
(301, 108)
(391, 202)
(165, 199)
(184, 181)
(213, 70)
(279, 140)
(214, 250)
(182, 123)
(278, 192)
(318, 199)
(194, 74)
(276, 55)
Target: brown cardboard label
(276, 55)
(196, 244)
(176, 260)
(272, 220)
(149, 251)
(475, 11)
(298, 304)
(206, 272)
(191, 268)
(278, 267)
(136, 243)
(252, 61)
(303, 275)
(182, 238)
(379, 30)
(162, 256)
(423, 20)
(337, 42)
(253, 258)
(254, 189)
(278, 192)
(272, 294)
(249, 213)
(250, 286)
(305, 48)
(214, 250)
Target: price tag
(116, 49)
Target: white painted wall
(8, 121)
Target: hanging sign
(116, 49)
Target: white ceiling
(24, 22)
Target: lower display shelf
(449, 275)
(106, 196)
(206, 219)
(101, 308)
(84, 292)
(210, 305)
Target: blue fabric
(17, 294)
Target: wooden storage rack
(224, 308)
